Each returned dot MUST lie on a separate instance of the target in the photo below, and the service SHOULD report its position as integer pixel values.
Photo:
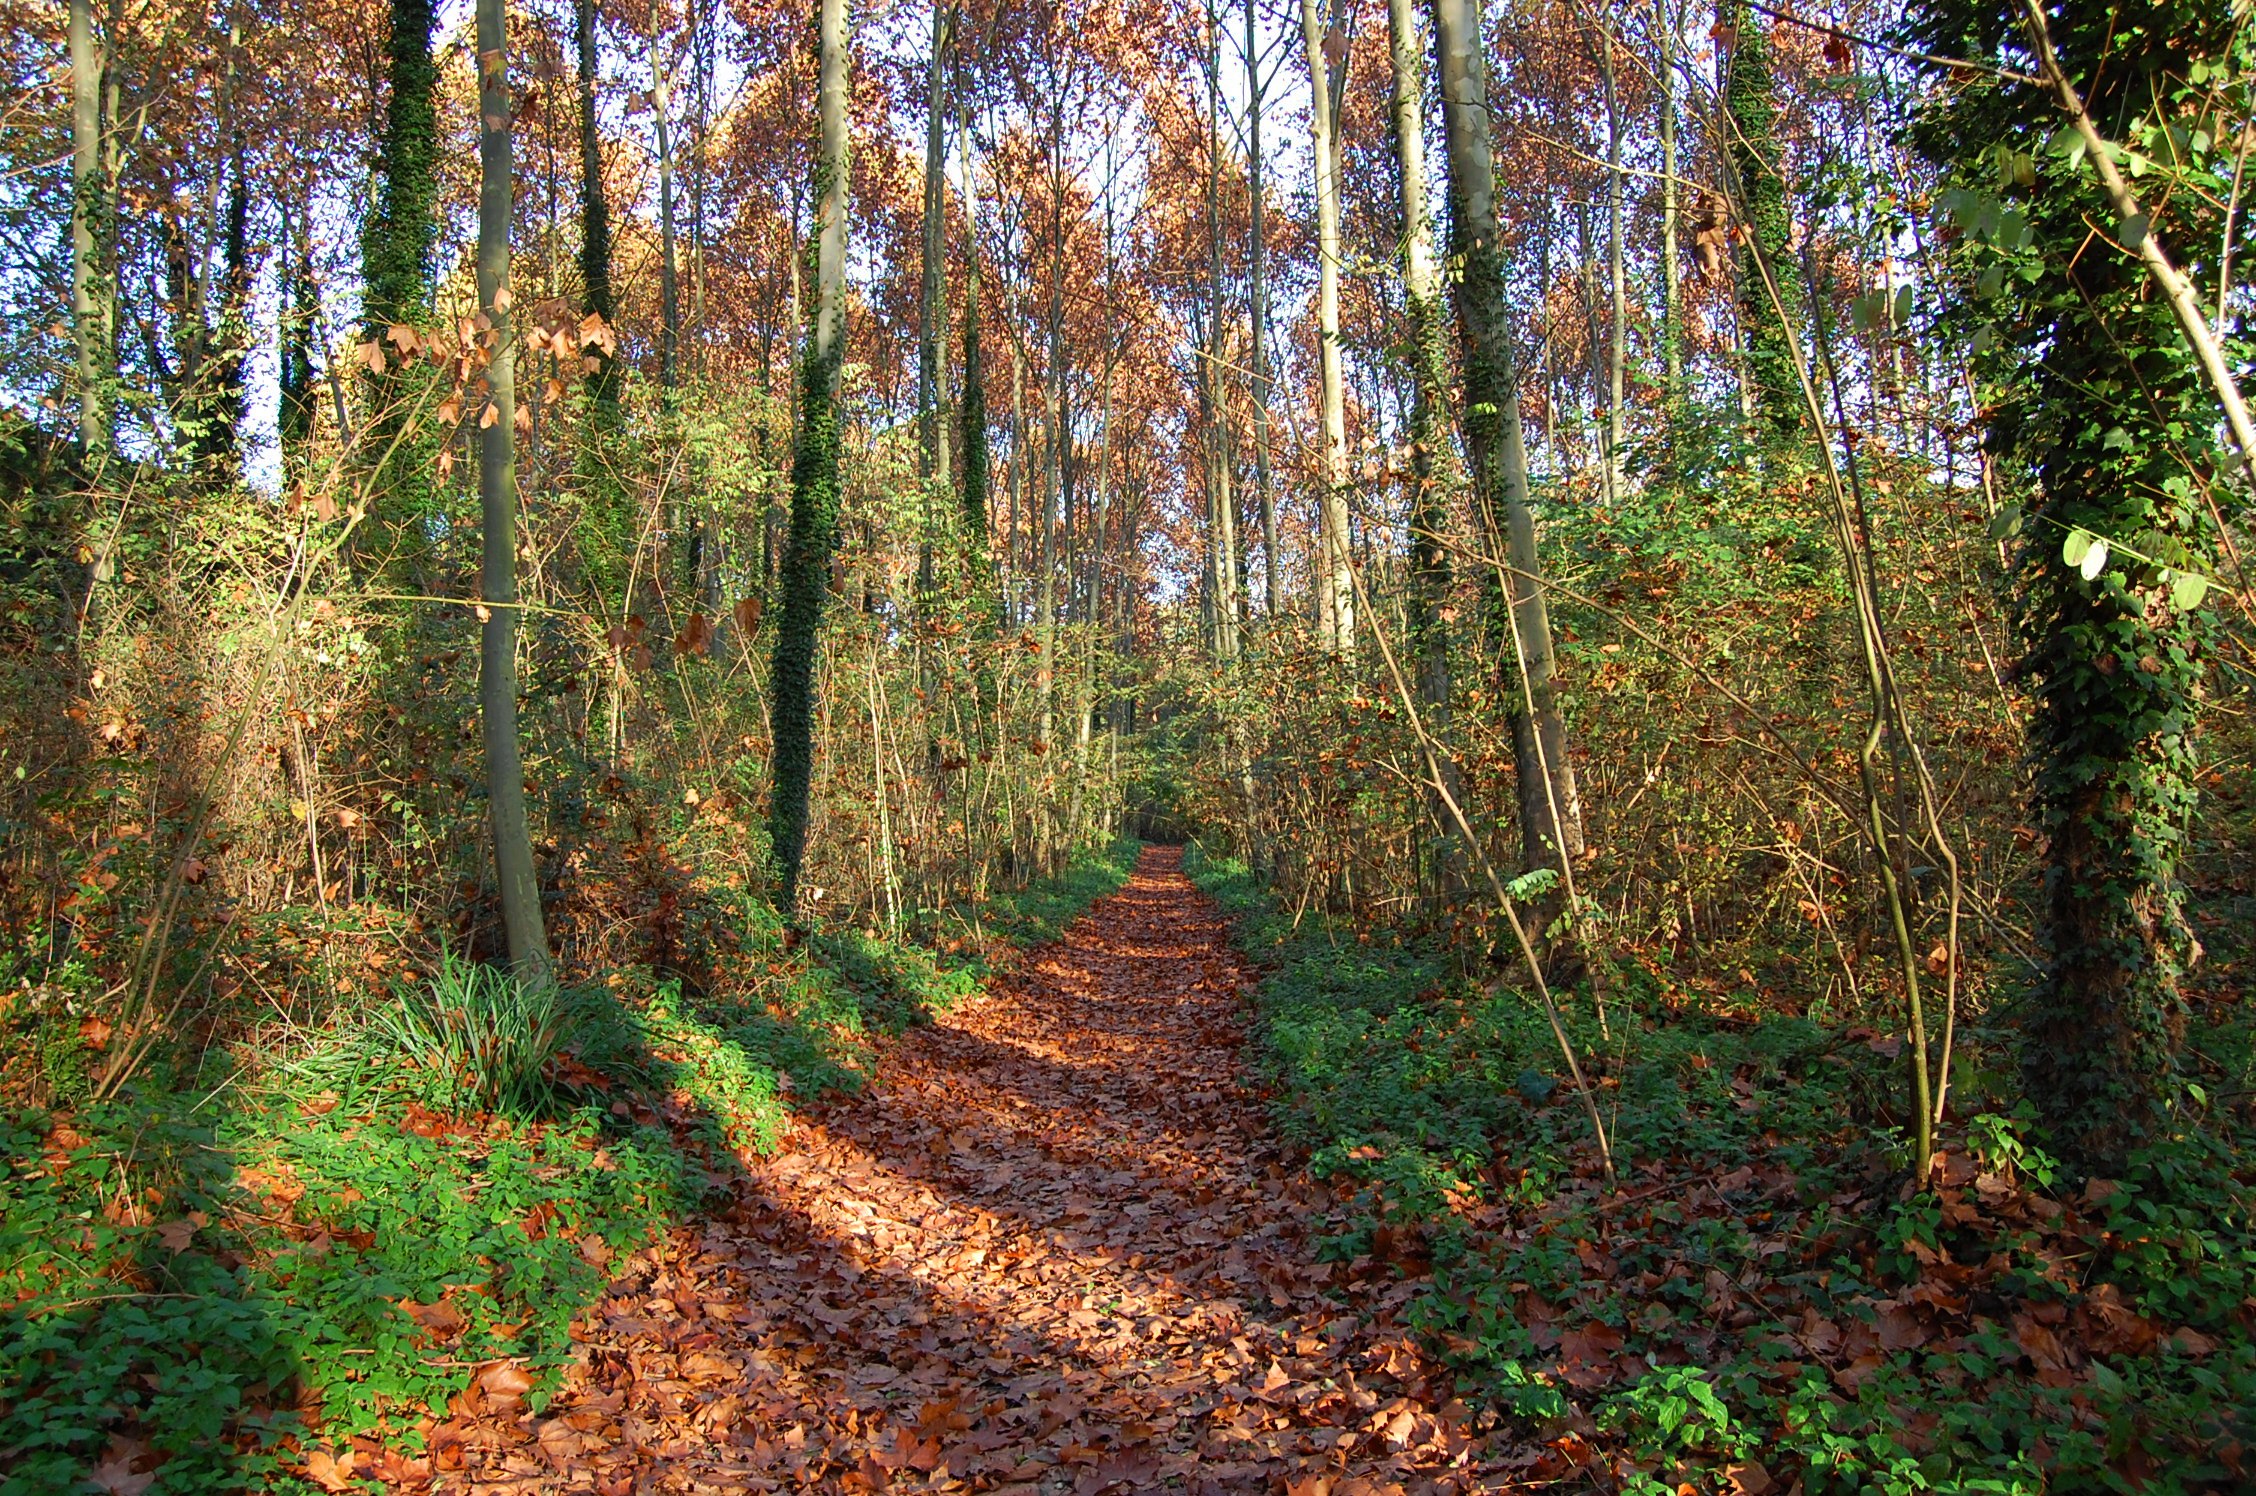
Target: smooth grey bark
(1336, 588)
(1519, 623)
(1221, 502)
(518, 878)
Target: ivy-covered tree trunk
(1518, 621)
(300, 312)
(932, 300)
(396, 241)
(814, 477)
(517, 876)
(1431, 457)
(2095, 399)
(93, 273)
(1750, 125)
(595, 223)
(971, 414)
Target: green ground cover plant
(1765, 1297)
(240, 1274)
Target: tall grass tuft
(473, 1039)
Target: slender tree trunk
(814, 477)
(395, 250)
(595, 221)
(669, 259)
(1617, 331)
(1430, 456)
(1053, 486)
(300, 311)
(1338, 627)
(1517, 618)
(972, 414)
(1750, 127)
(518, 877)
(1672, 275)
(1221, 503)
(93, 264)
(223, 394)
(1257, 314)
(932, 302)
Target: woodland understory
(1065, 745)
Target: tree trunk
(1257, 314)
(395, 253)
(1520, 624)
(1221, 502)
(595, 222)
(932, 302)
(1617, 331)
(1431, 466)
(300, 311)
(93, 269)
(814, 477)
(1750, 126)
(1337, 628)
(669, 264)
(519, 879)
(1672, 275)
(972, 415)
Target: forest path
(1052, 1247)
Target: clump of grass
(472, 1039)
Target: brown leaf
(115, 1473)
(748, 616)
(505, 1382)
(441, 1319)
(1900, 1328)
(330, 1472)
(2039, 1344)
(1747, 1478)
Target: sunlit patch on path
(1051, 1248)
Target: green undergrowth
(1764, 1293)
(340, 1231)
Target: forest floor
(1053, 1246)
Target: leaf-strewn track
(1051, 1248)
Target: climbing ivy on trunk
(813, 535)
(1750, 110)
(2096, 406)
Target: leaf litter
(1053, 1247)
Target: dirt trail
(1051, 1248)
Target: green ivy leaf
(2187, 589)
